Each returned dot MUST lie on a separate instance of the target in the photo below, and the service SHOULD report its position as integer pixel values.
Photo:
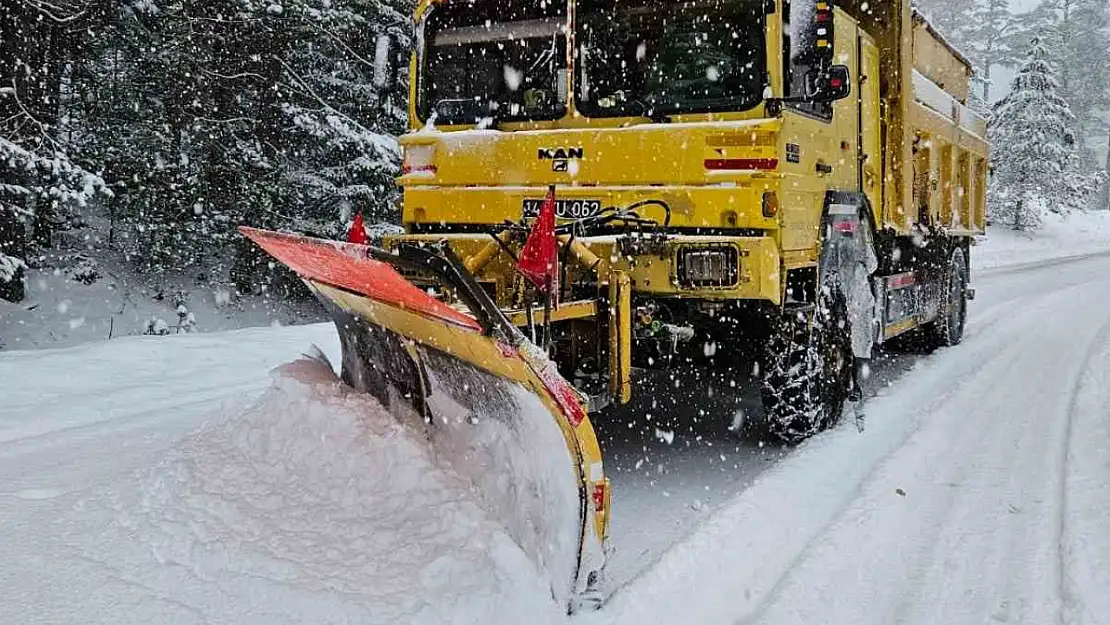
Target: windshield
(645, 57)
(486, 60)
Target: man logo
(560, 157)
(561, 154)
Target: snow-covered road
(1001, 461)
(979, 491)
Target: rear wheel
(807, 370)
(948, 329)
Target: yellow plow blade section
(493, 407)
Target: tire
(807, 369)
(948, 329)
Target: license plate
(565, 209)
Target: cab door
(870, 118)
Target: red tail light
(599, 497)
(740, 164)
(410, 169)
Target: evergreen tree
(38, 181)
(989, 40)
(207, 114)
(1034, 155)
(1075, 36)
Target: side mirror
(385, 73)
(828, 85)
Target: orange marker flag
(358, 231)
(539, 260)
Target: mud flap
(495, 411)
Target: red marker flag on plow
(357, 233)
(539, 260)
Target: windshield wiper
(640, 108)
(465, 110)
(490, 121)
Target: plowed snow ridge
(312, 505)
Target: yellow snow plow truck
(596, 186)
(801, 177)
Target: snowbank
(305, 503)
(89, 301)
(317, 501)
(1078, 234)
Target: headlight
(717, 266)
(420, 159)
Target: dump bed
(939, 61)
(935, 148)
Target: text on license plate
(565, 209)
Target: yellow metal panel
(458, 342)
(933, 58)
(620, 336)
(891, 25)
(650, 274)
(801, 213)
(655, 275)
(565, 312)
(923, 167)
(485, 353)
(733, 204)
(947, 185)
(871, 136)
(924, 119)
(844, 154)
(981, 195)
(963, 192)
(673, 154)
(900, 327)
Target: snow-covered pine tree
(1075, 35)
(207, 114)
(1033, 155)
(989, 40)
(37, 178)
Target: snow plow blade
(495, 410)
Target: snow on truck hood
(312, 505)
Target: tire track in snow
(965, 540)
(867, 497)
(757, 527)
(722, 568)
(651, 531)
(1041, 264)
(988, 317)
(1072, 609)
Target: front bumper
(657, 266)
